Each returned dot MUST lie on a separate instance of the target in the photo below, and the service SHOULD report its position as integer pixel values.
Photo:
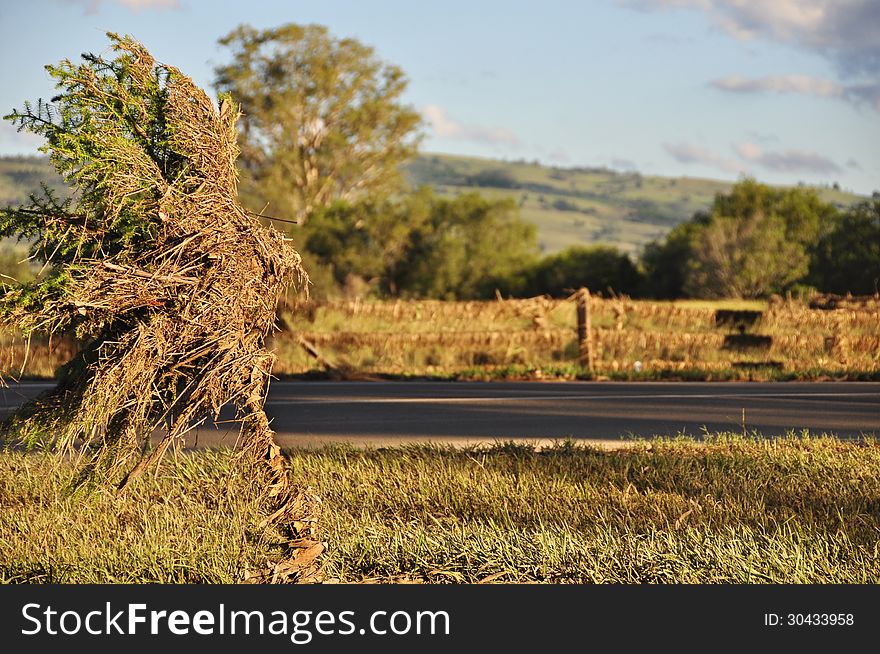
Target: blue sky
(784, 90)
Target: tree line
(754, 241)
(757, 240)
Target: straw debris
(169, 283)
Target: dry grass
(173, 312)
(794, 510)
(197, 520)
(536, 338)
(538, 334)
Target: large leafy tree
(665, 263)
(421, 245)
(469, 247)
(848, 258)
(744, 257)
(753, 241)
(370, 239)
(323, 118)
(804, 215)
(601, 268)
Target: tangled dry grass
(172, 322)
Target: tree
(598, 267)
(665, 263)
(370, 240)
(422, 245)
(494, 178)
(805, 216)
(847, 259)
(469, 247)
(744, 257)
(754, 240)
(323, 118)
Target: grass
(714, 305)
(727, 510)
(197, 521)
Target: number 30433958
(809, 619)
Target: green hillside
(581, 206)
(570, 206)
(20, 176)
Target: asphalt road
(317, 412)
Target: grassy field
(20, 176)
(536, 338)
(731, 510)
(533, 339)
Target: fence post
(585, 332)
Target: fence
(588, 333)
(545, 336)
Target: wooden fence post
(585, 332)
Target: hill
(20, 176)
(582, 206)
(569, 206)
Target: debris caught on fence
(169, 284)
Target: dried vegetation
(163, 286)
(667, 338)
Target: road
(312, 413)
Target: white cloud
(688, 153)
(864, 93)
(749, 151)
(92, 6)
(789, 161)
(443, 125)
(751, 154)
(847, 31)
(780, 84)
(447, 127)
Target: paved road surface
(316, 412)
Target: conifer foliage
(169, 283)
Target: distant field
(569, 206)
(19, 177)
(535, 338)
(794, 510)
(582, 206)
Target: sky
(787, 91)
